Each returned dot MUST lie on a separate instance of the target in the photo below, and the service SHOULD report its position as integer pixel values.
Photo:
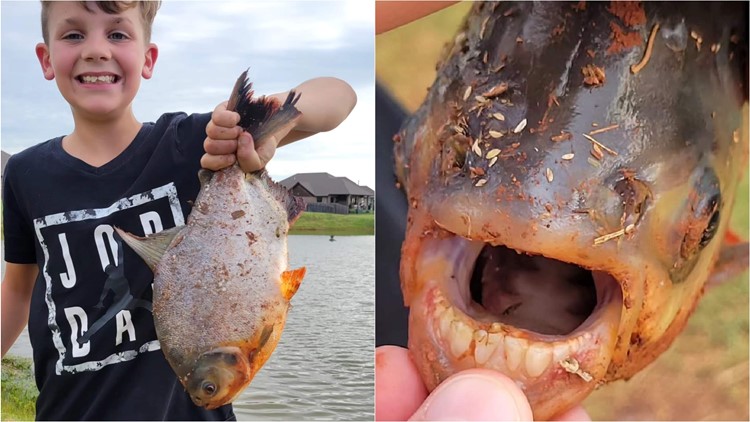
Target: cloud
(202, 48)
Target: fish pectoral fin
(733, 261)
(150, 248)
(290, 281)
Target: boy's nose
(96, 49)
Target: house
(320, 189)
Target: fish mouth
(549, 325)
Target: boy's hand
(226, 143)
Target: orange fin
(731, 238)
(733, 261)
(290, 281)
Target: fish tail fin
(262, 116)
(290, 281)
(293, 205)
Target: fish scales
(222, 286)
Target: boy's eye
(73, 36)
(118, 36)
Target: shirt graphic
(78, 239)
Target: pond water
(323, 367)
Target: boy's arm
(17, 286)
(324, 103)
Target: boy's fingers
(223, 117)
(247, 155)
(220, 147)
(398, 387)
(217, 162)
(475, 395)
(215, 131)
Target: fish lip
(440, 319)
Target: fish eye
(704, 216)
(713, 222)
(209, 388)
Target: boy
(96, 355)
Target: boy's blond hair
(148, 12)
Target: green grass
(19, 391)
(339, 224)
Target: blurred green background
(704, 375)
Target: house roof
(323, 184)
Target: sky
(203, 47)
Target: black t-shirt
(59, 213)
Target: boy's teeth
(98, 79)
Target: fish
(569, 180)
(222, 286)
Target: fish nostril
(635, 196)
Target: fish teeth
(538, 358)
(108, 79)
(514, 351)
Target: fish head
(566, 261)
(218, 377)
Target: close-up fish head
(218, 376)
(222, 286)
(570, 176)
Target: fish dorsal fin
(150, 248)
(293, 205)
(733, 261)
(290, 281)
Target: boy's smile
(97, 59)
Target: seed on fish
(550, 176)
(593, 162)
(493, 161)
(564, 136)
(492, 153)
(597, 152)
(467, 93)
(629, 228)
(647, 55)
(715, 48)
(520, 126)
(481, 99)
(480, 182)
(499, 116)
(496, 90)
(601, 239)
(475, 148)
(604, 129)
(568, 156)
(599, 143)
(593, 75)
(495, 134)
(736, 136)
(571, 365)
(484, 57)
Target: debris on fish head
(570, 177)
(222, 286)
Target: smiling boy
(86, 300)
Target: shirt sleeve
(18, 234)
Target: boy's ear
(42, 53)
(152, 52)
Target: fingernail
(475, 397)
(244, 139)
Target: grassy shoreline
(19, 391)
(319, 223)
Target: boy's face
(97, 59)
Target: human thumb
(474, 395)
